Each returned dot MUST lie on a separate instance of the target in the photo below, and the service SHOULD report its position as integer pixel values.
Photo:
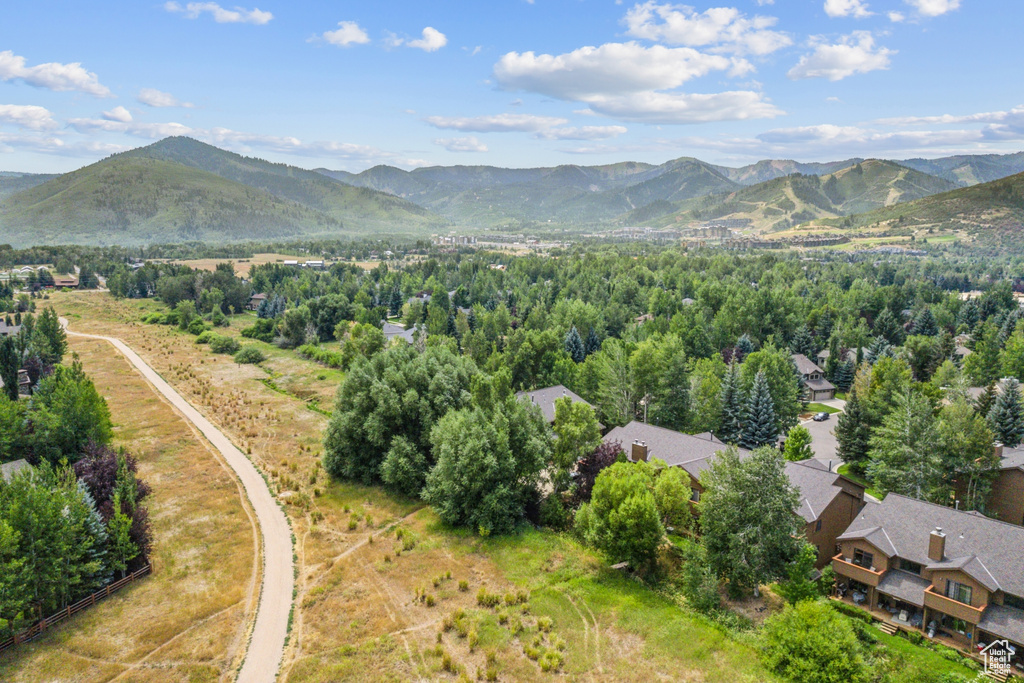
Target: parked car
(820, 417)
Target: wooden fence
(40, 626)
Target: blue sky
(349, 85)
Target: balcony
(953, 608)
(854, 571)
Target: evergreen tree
(824, 328)
(1006, 418)
(671, 406)
(593, 343)
(731, 398)
(263, 310)
(844, 375)
(574, 346)
(879, 348)
(924, 323)
(887, 327)
(451, 330)
(9, 367)
(969, 315)
(834, 359)
(119, 528)
(760, 428)
(471, 320)
(395, 304)
(803, 343)
(904, 454)
(986, 400)
(744, 347)
(852, 434)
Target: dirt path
(266, 645)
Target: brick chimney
(997, 450)
(937, 545)
(639, 453)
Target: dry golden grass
(362, 607)
(188, 620)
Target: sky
(515, 83)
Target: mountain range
(180, 189)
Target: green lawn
(822, 408)
(849, 474)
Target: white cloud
(847, 8)
(467, 144)
(56, 145)
(118, 114)
(1003, 125)
(896, 17)
(582, 133)
(347, 33)
(721, 29)
(608, 70)
(238, 15)
(685, 108)
(27, 116)
(140, 129)
(627, 81)
(431, 41)
(151, 97)
(52, 75)
(933, 8)
(498, 123)
(853, 54)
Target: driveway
(266, 646)
(823, 440)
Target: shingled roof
(816, 487)
(692, 452)
(986, 549)
(547, 396)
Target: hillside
(361, 209)
(991, 212)
(131, 200)
(971, 169)
(780, 203)
(487, 195)
(770, 169)
(11, 183)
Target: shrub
(221, 344)
(318, 354)
(205, 337)
(463, 586)
(810, 643)
(544, 624)
(197, 326)
(262, 331)
(249, 355)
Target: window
(695, 496)
(863, 559)
(958, 591)
(817, 527)
(1013, 601)
(908, 566)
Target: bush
(262, 331)
(205, 337)
(220, 344)
(197, 326)
(249, 355)
(810, 643)
(331, 359)
(153, 319)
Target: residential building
(8, 330)
(845, 355)
(828, 503)
(816, 387)
(65, 281)
(392, 331)
(955, 575)
(546, 397)
(9, 469)
(254, 301)
(1006, 499)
